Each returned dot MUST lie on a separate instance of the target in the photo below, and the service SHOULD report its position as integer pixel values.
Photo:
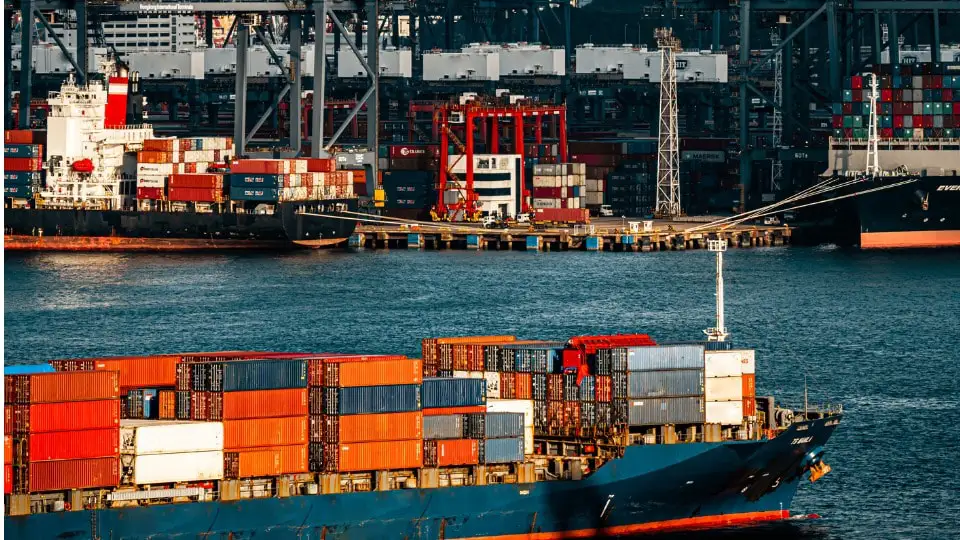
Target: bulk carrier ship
(482, 437)
(906, 151)
(94, 183)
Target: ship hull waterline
(652, 488)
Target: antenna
(719, 332)
(806, 406)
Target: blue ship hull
(651, 488)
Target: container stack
(273, 180)
(7, 462)
(65, 428)
(166, 452)
(919, 101)
(23, 157)
(365, 413)
(195, 187)
(559, 186)
(730, 386)
(161, 158)
(471, 352)
(632, 188)
(665, 385)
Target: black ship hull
(293, 225)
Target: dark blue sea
(877, 332)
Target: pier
(606, 235)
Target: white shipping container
(722, 364)
(466, 66)
(532, 60)
(468, 374)
(142, 437)
(748, 361)
(181, 467)
(593, 198)
(151, 181)
(727, 413)
(547, 203)
(493, 384)
(393, 63)
(546, 181)
(524, 406)
(293, 194)
(594, 185)
(723, 389)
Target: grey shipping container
(504, 424)
(264, 375)
(372, 399)
(454, 392)
(672, 383)
(503, 450)
(661, 411)
(445, 426)
(665, 357)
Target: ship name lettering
(801, 440)
(949, 187)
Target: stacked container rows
(23, 156)
(174, 169)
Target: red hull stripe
(122, 244)
(673, 525)
(908, 239)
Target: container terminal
(479, 437)
(761, 113)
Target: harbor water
(877, 332)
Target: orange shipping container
(168, 404)
(266, 462)
(66, 416)
(524, 388)
(161, 145)
(22, 163)
(373, 373)
(24, 136)
(373, 427)
(456, 452)
(7, 449)
(92, 443)
(375, 456)
(262, 432)
(749, 385)
(749, 406)
(142, 371)
(7, 479)
(440, 411)
(66, 386)
(73, 474)
(152, 156)
(323, 165)
(265, 403)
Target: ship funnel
(719, 332)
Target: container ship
(90, 182)
(910, 193)
(480, 437)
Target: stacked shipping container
(23, 173)
(919, 101)
(730, 391)
(272, 180)
(65, 429)
(559, 186)
(665, 385)
(161, 158)
(164, 452)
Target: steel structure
(486, 117)
(776, 165)
(668, 147)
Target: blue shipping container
(264, 375)
(372, 399)
(22, 150)
(662, 411)
(444, 426)
(665, 357)
(28, 369)
(503, 424)
(18, 192)
(238, 193)
(588, 389)
(151, 403)
(454, 392)
(673, 383)
(22, 178)
(503, 450)
(259, 181)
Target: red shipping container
(93, 443)
(566, 215)
(439, 411)
(265, 403)
(837, 121)
(946, 95)
(321, 165)
(847, 108)
(604, 388)
(160, 145)
(571, 414)
(262, 432)
(142, 371)
(196, 181)
(7, 479)
(21, 164)
(749, 384)
(956, 108)
(848, 133)
(508, 385)
(856, 81)
(374, 456)
(524, 382)
(457, 452)
(73, 474)
(65, 386)
(886, 133)
(74, 364)
(857, 96)
(184, 194)
(918, 121)
(886, 95)
(555, 387)
(264, 166)
(7, 449)
(898, 122)
(927, 121)
(150, 193)
(572, 358)
(373, 427)
(596, 160)
(555, 413)
(549, 192)
(749, 406)
(66, 416)
(8, 418)
(24, 136)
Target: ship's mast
(873, 142)
(719, 332)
